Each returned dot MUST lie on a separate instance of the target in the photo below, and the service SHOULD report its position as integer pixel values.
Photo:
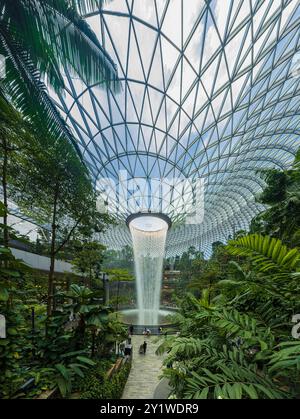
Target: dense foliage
(78, 334)
(96, 385)
(39, 40)
(236, 322)
(282, 196)
(56, 329)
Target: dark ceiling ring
(160, 215)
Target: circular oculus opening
(149, 224)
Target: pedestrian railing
(154, 329)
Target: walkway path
(145, 371)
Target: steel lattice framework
(210, 89)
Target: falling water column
(149, 239)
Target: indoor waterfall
(149, 238)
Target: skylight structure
(210, 91)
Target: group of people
(126, 347)
(146, 332)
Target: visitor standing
(122, 348)
(145, 347)
(131, 329)
(128, 349)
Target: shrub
(97, 386)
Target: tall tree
(122, 259)
(15, 135)
(281, 195)
(119, 275)
(187, 265)
(87, 259)
(56, 189)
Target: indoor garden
(150, 199)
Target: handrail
(155, 330)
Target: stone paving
(145, 371)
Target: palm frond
(165, 345)
(287, 357)
(56, 37)
(22, 22)
(23, 83)
(268, 254)
(234, 382)
(85, 7)
(75, 45)
(186, 347)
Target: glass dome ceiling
(210, 90)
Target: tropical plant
(41, 38)
(11, 307)
(286, 358)
(274, 267)
(267, 254)
(88, 257)
(66, 373)
(190, 265)
(96, 324)
(119, 259)
(97, 385)
(225, 362)
(15, 135)
(119, 275)
(281, 219)
(60, 194)
(235, 343)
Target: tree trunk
(93, 342)
(4, 186)
(51, 275)
(54, 299)
(118, 293)
(80, 333)
(68, 282)
(52, 256)
(210, 289)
